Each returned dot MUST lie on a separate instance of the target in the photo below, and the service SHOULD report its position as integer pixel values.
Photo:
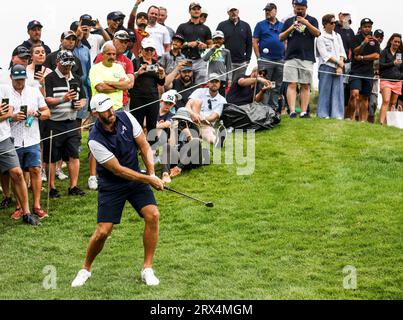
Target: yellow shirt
(100, 73)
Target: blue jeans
(331, 94)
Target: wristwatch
(38, 114)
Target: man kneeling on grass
(114, 142)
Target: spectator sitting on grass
(243, 90)
(206, 106)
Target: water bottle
(29, 121)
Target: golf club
(207, 204)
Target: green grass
(324, 195)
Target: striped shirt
(56, 87)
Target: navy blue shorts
(364, 86)
(112, 199)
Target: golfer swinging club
(114, 142)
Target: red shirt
(127, 66)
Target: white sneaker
(93, 183)
(82, 276)
(43, 176)
(147, 275)
(60, 175)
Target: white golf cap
(169, 97)
(218, 34)
(215, 76)
(176, 94)
(204, 11)
(148, 43)
(101, 103)
(229, 8)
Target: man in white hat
(206, 106)
(115, 141)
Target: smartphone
(24, 109)
(38, 68)
(74, 87)
(399, 56)
(273, 84)
(5, 101)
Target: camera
(182, 125)
(152, 68)
(88, 22)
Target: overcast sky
(57, 16)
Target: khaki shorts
(298, 71)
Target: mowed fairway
(324, 195)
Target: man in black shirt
(300, 33)
(366, 50)
(67, 42)
(185, 84)
(243, 90)
(35, 32)
(238, 40)
(197, 38)
(343, 27)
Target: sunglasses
(149, 49)
(210, 104)
(332, 22)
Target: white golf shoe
(81, 278)
(149, 278)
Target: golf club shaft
(184, 195)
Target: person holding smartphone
(366, 50)
(391, 68)
(36, 71)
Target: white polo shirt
(5, 131)
(160, 35)
(216, 103)
(33, 98)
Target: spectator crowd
(175, 83)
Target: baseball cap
(115, 15)
(194, 4)
(68, 34)
(66, 58)
(270, 6)
(18, 72)
(101, 103)
(142, 15)
(186, 68)
(169, 97)
(121, 35)
(182, 114)
(74, 26)
(86, 17)
(21, 52)
(204, 11)
(148, 43)
(218, 34)
(179, 37)
(379, 33)
(34, 23)
(366, 21)
(214, 76)
(300, 3)
(132, 35)
(229, 8)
